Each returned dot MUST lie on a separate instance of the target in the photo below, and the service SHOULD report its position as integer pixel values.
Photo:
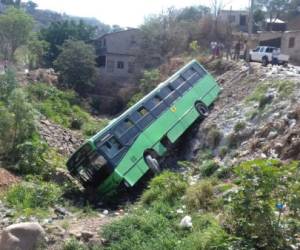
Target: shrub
(31, 197)
(200, 196)
(62, 107)
(144, 229)
(208, 168)
(214, 137)
(167, 187)
(223, 172)
(264, 100)
(207, 234)
(32, 157)
(223, 151)
(252, 216)
(7, 85)
(239, 126)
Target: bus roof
(127, 112)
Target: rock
(86, 236)
(272, 135)
(186, 222)
(25, 236)
(105, 212)
(61, 211)
(179, 211)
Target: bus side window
(191, 75)
(164, 92)
(142, 111)
(123, 126)
(181, 85)
(111, 147)
(199, 69)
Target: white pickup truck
(266, 54)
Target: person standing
(237, 49)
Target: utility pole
(250, 33)
(250, 21)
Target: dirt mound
(7, 179)
(65, 141)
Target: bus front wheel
(202, 109)
(152, 164)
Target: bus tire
(152, 164)
(202, 109)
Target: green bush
(214, 137)
(200, 196)
(167, 187)
(208, 168)
(62, 107)
(144, 229)
(73, 244)
(252, 214)
(7, 85)
(207, 234)
(223, 151)
(239, 126)
(31, 197)
(32, 157)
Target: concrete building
(237, 18)
(117, 53)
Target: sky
(126, 13)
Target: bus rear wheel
(202, 109)
(152, 164)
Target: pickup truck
(265, 54)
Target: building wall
(119, 66)
(290, 44)
(238, 19)
(123, 42)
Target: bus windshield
(88, 166)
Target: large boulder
(25, 236)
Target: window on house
(292, 42)
(104, 43)
(231, 19)
(101, 61)
(242, 20)
(110, 65)
(120, 65)
(133, 41)
(131, 67)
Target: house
(237, 18)
(287, 41)
(117, 53)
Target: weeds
(167, 187)
(33, 198)
(200, 196)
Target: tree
(15, 28)
(274, 8)
(30, 6)
(15, 3)
(58, 32)
(76, 65)
(37, 49)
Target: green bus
(132, 143)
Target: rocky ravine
(256, 116)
